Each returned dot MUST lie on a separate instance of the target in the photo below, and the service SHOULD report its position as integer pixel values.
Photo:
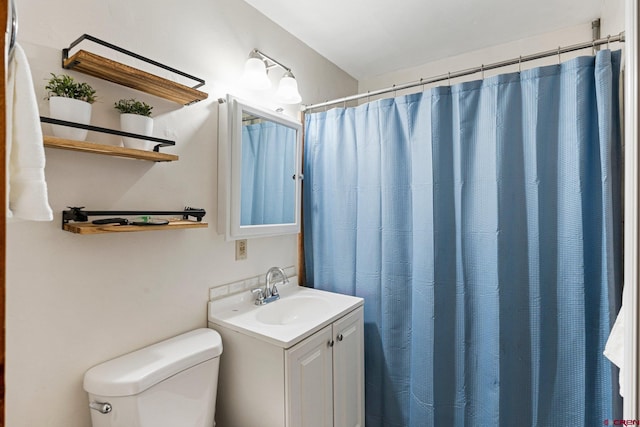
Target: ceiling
(371, 37)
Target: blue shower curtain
(268, 164)
(481, 223)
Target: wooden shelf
(89, 228)
(116, 72)
(109, 150)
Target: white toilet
(168, 384)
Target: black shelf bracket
(161, 142)
(65, 56)
(78, 214)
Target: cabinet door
(348, 370)
(309, 375)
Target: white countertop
(299, 313)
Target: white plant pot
(71, 110)
(140, 125)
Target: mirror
(267, 187)
(259, 156)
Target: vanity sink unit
(296, 361)
(294, 356)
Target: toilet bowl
(168, 384)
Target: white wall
(74, 301)
(612, 23)
(612, 17)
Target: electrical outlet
(241, 249)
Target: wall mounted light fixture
(255, 77)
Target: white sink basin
(294, 309)
(297, 314)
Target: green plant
(65, 86)
(131, 106)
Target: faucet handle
(274, 291)
(259, 295)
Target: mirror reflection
(268, 168)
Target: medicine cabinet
(259, 163)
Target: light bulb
(288, 89)
(255, 74)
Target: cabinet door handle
(340, 337)
(330, 343)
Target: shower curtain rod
(469, 71)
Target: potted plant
(71, 101)
(135, 117)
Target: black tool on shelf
(78, 214)
(160, 142)
(65, 56)
(105, 221)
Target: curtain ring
(558, 55)
(520, 64)
(368, 96)
(449, 78)
(395, 93)
(482, 71)
(421, 81)
(608, 40)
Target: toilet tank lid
(135, 372)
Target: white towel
(614, 349)
(26, 185)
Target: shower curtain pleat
(481, 223)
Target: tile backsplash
(221, 291)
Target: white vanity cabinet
(318, 381)
(325, 376)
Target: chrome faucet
(270, 291)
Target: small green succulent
(131, 106)
(65, 86)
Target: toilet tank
(168, 384)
